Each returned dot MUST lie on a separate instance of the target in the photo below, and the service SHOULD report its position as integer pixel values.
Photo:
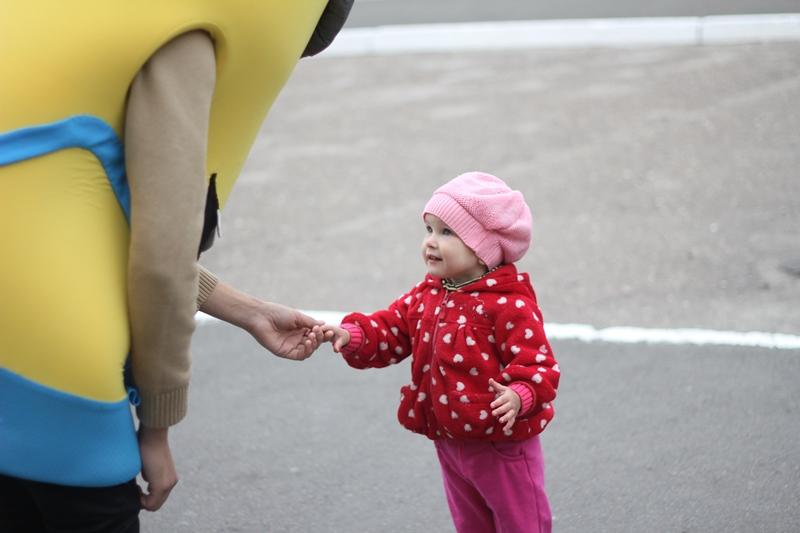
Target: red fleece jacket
(491, 328)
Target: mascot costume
(65, 416)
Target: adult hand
(286, 332)
(158, 468)
(282, 330)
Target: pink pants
(495, 487)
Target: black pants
(30, 506)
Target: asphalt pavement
(663, 184)
(381, 12)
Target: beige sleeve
(166, 132)
(208, 281)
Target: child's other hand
(506, 405)
(336, 335)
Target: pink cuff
(526, 396)
(356, 338)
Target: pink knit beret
(493, 220)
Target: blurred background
(663, 184)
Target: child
(482, 374)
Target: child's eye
(447, 231)
(428, 229)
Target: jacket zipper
(436, 327)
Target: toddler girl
(483, 376)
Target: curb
(567, 33)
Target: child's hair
(493, 220)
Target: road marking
(628, 335)
(566, 33)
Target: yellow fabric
(63, 237)
(63, 317)
(80, 57)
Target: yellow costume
(64, 331)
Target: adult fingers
(309, 339)
(307, 348)
(157, 494)
(318, 335)
(301, 351)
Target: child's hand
(336, 335)
(507, 403)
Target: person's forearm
(231, 305)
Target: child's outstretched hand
(336, 335)
(507, 403)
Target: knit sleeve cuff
(207, 282)
(526, 395)
(356, 339)
(164, 409)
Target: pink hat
(493, 220)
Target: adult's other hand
(158, 468)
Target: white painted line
(700, 337)
(733, 29)
(567, 33)
(628, 335)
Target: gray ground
(378, 12)
(664, 188)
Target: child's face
(446, 255)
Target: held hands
(506, 404)
(337, 336)
(286, 332)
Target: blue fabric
(80, 131)
(55, 437)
